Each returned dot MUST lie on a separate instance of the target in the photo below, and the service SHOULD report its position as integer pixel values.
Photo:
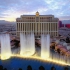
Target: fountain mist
(27, 44)
(5, 46)
(45, 46)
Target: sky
(11, 9)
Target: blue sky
(11, 9)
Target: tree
(58, 50)
(67, 40)
(29, 67)
(41, 68)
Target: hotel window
(37, 19)
(44, 27)
(56, 26)
(19, 26)
(53, 26)
(40, 19)
(23, 26)
(49, 26)
(20, 20)
(56, 33)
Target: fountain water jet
(45, 46)
(5, 46)
(32, 43)
(27, 44)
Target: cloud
(64, 18)
(6, 22)
(14, 8)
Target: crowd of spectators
(30, 68)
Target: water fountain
(5, 46)
(45, 46)
(32, 43)
(27, 48)
(27, 44)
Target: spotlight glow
(26, 54)
(5, 56)
(27, 50)
(44, 60)
(5, 46)
(45, 46)
(36, 58)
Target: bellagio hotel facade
(37, 24)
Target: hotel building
(37, 24)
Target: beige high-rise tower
(37, 24)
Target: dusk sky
(11, 9)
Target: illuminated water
(27, 48)
(5, 46)
(45, 46)
(15, 63)
(27, 43)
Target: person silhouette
(66, 68)
(29, 67)
(53, 68)
(1, 67)
(41, 68)
(5, 69)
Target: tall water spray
(48, 45)
(27, 44)
(5, 46)
(45, 46)
(22, 43)
(32, 43)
